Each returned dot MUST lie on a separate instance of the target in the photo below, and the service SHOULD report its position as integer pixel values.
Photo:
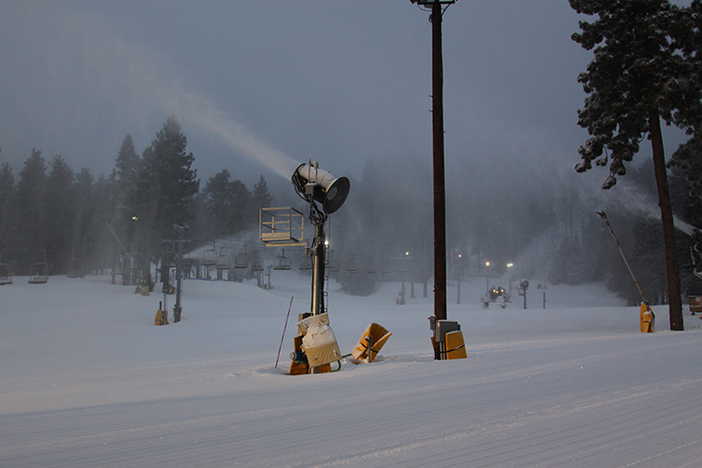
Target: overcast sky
(260, 86)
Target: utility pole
(437, 8)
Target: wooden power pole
(437, 8)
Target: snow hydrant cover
(319, 342)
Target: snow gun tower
(315, 345)
(647, 319)
(315, 185)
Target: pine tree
(8, 233)
(125, 176)
(127, 161)
(164, 186)
(262, 198)
(86, 222)
(105, 199)
(31, 211)
(226, 204)
(633, 82)
(60, 215)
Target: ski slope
(87, 380)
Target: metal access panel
(279, 227)
(442, 328)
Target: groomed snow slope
(87, 380)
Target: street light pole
(487, 277)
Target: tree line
(53, 213)
(646, 70)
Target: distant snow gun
(646, 317)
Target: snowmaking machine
(647, 319)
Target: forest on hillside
(51, 212)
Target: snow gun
(646, 317)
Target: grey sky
(260, 85)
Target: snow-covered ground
(87, 380)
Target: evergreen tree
(226, 205)
(86, 228)
(633, 83)
(127, 162)
(60, 213)
(262, 198)
(126, 175)
(8, 233)
(31, 211)
(688, 158)
(164, 187)
(105, 200)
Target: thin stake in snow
(284, 328)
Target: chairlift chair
(386, 269)
(351, 267)
(282, 262)
(75, 266)
(5, 274)
(370, 267)
(257, 263)
(305, 262)
(222, 260)
(209, 257)
(241, 260)
(209, 260)
(39, 272)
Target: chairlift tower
(179, 242)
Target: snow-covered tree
(636, 79)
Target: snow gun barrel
(313, 183)
(603, 215)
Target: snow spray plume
(200, 111)
(138, 83)
(637, 202)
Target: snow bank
(87, 380)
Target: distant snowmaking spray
(646, 317)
